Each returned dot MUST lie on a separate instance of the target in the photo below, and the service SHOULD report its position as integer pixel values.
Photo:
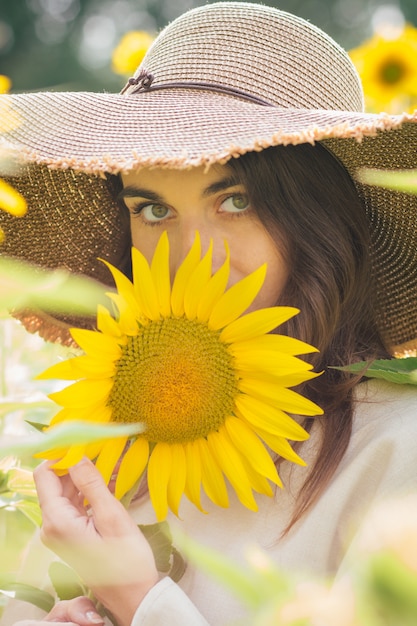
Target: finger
(110, 516)
(55, 491)
(48, 486)
(79, 610)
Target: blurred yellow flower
(10, 199)
(388, 70)
(5, 83)
(130, 51)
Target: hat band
(144, 82)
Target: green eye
(154, 212)
(159, 211)
(236, 203)
(240, 201)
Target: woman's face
(212, 202)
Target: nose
(182, 240)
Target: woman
(214, 134)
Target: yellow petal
(182, 277)
(83, 393)
(177, 478)
(281, 446)
(259, 483)
(214, 290)
(159, 470)
(161, 275)
(124, 286)
(110, 453)
(11, 200)
(237, 299)
(71, 458)
(144, 287)
(277, 382)
(106, 323)
(128, 316)
(79, 367)
(51, 455)
(125, 289)
(65, 370)
(93, 449)
(197, 284)
(286, 399)
(211, 476)
(193, 474)
(271, 419)
(281, 343)
(265, 360)
(99, 414)
(132, 466)
(257, 323)
(229, 461)
(252, 448)
(96, 343)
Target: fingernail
(94, 617)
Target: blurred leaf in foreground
(74, 432)
(25, 286)
(401, 180)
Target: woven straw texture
(313, 93)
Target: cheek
(275, 281)
(258, 249)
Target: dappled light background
(67, 44)
(94, 45)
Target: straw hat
(219, 81)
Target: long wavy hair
(308, 202)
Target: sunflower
(10, 199)
(130, 51)
(210, 385)
(388, 70)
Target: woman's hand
(100, 541)
(77, 612)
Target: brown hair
(310, 205)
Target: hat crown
(260, 50)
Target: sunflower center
(392, 72)
(176, 377)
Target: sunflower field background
(95, 45)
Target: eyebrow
(141, 192)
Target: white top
(381, 462)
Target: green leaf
(159, 537)
(39, 426)
(66, 434)
(23, 285)
(402, 180)
(178, 567)
(27, 593)
(8, 407)
(31, 510)
(399, 371)
(394, 588)
(66, 582)
(240, 580)
(21, 481)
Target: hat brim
(175, 128)
(58, 134)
